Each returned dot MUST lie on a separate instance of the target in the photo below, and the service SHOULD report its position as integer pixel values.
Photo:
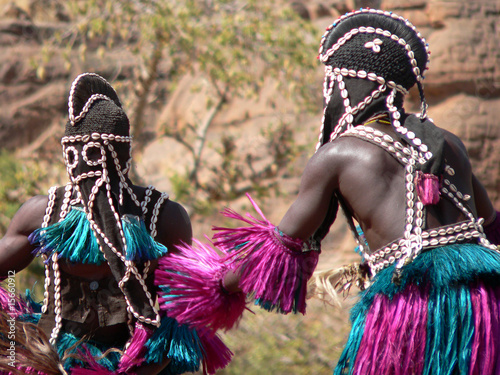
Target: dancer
(101, 238)
(426, 229)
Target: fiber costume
(89, 221)
(432, 302)
(432, 307)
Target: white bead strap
(415, 239)
(71, 111)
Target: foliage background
(225, 98)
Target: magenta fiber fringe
(26, 370)
(92, 368)
(486, 342)
(394, 335)
(134, 355)
(216, 355)
(428, 188)
(272, 266)
(191, 289)
(12, 304)
(92, 371)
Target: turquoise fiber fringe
(140, 245)
(74, 240)
(446, 274)
(173, 340)
(179, 343)
(68, 343)
(71, 238)
(450, 330)
(439, 267)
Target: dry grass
(268, 343)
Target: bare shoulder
(334, 153)
(174, 225)
(30, 215)
(347, 152)
(15, 247)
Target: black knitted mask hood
(97, 151)
(372, 58)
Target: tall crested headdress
(376, 46)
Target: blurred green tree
(237, 46)
(21, 179)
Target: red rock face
(462, 86)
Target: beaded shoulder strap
(151, 205)
(415, 238)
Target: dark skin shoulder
(174, 226)
(371, 182)
(173, 229)
(15, 247)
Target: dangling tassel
(179, 343)
(71, 238)
(186, 348)
(140, 245)
(80, 353)
(216, 355)
(428, 188)
(134, 355)
(326, 285)
(423, 103)
(272, 266)
(191, 289)
(91, 366)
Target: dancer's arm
(174, 226)
(319, 180)
(15, 247)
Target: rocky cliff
(462, 85)
(462, 89)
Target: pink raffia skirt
(442, 318)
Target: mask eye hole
(71, 157)
(93, 153)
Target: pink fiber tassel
(12, 304)
(191, 289)
(394, 335)
(428, 188)
(91, 371)
(134, 355)
(216, 355)
(5, 299)
(25, 370)
(273, 267)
